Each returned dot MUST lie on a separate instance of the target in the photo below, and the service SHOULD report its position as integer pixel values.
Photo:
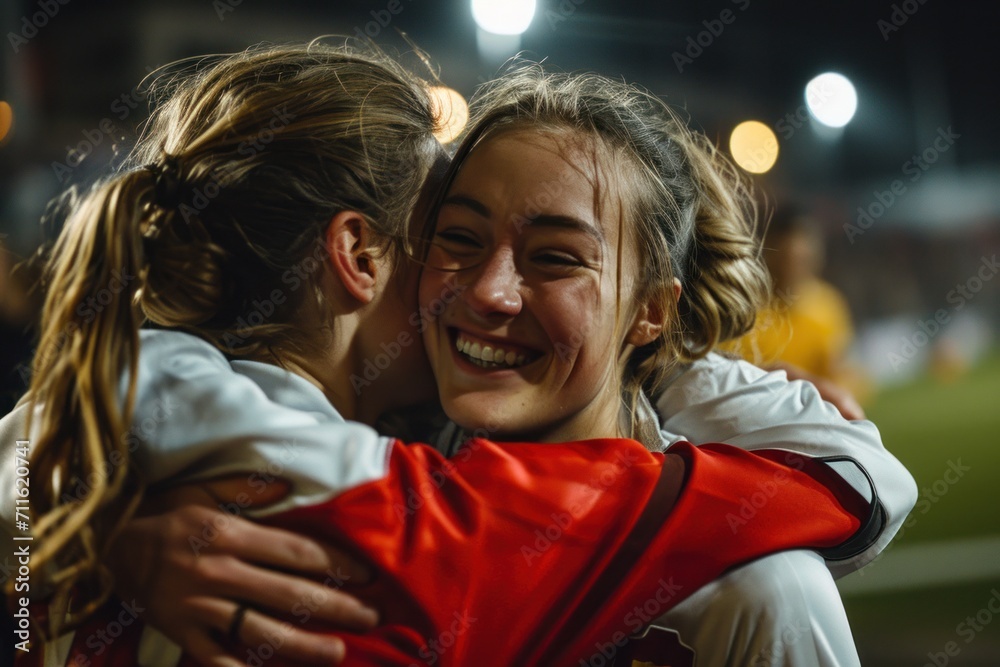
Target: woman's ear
(347, 243)
(651, 318)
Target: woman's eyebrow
(540, 220)
(565, 222)
(474, 205)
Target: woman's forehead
(553, 153)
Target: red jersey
(525, 554)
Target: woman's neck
(603, 418)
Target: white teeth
(487, 356)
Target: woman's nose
(494, 287)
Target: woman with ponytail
(220, 212)
(261, 234)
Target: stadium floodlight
(503, 17)
(831, 99)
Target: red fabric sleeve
(548, 554)
(543, 554)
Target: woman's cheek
(574, 320)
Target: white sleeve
(782, 610)
(196, 418)
(718, 399)
(13, 427)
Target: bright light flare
(832, 99)
(503, 17)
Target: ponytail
(81, 468)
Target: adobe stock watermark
(381, 18)
(775, 653)
(930, 495)
(636, 619)
(309, 603)
(30, 25)
(546, 537)
(203, 195)
(223, 7)
(433, 649)
(258, 482)
(100, 640)
(928, 328)
(417, 495)
(698, 43)
(915, 168)
(900, 14)
(120, 109)
(968, 630)
(816, 96)
(87, 310)
(154, 414)
(262, 309)
(372, 368)
(561, 12)
(302, 609)
(766, 490)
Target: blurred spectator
(806, 329)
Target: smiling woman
(525, 347)
(594, 242)
(570, 222)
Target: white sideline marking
(927, 564)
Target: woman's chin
(476, 421)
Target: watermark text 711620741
(22, 550)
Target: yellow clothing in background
(810, 329)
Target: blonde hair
(686, 207)
(248, 158)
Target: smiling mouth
(491, 355)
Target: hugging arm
(190, 567)
(724, 400)
(184, 562)
(199, 411)
(590, 531)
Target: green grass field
(929, 425)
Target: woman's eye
(558, 259)
(454, 249)
(456, 237)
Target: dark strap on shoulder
(661, 503)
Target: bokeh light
(503, 17)
(831, 99)
(451, 113)
(6, 119)
(754, 146)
